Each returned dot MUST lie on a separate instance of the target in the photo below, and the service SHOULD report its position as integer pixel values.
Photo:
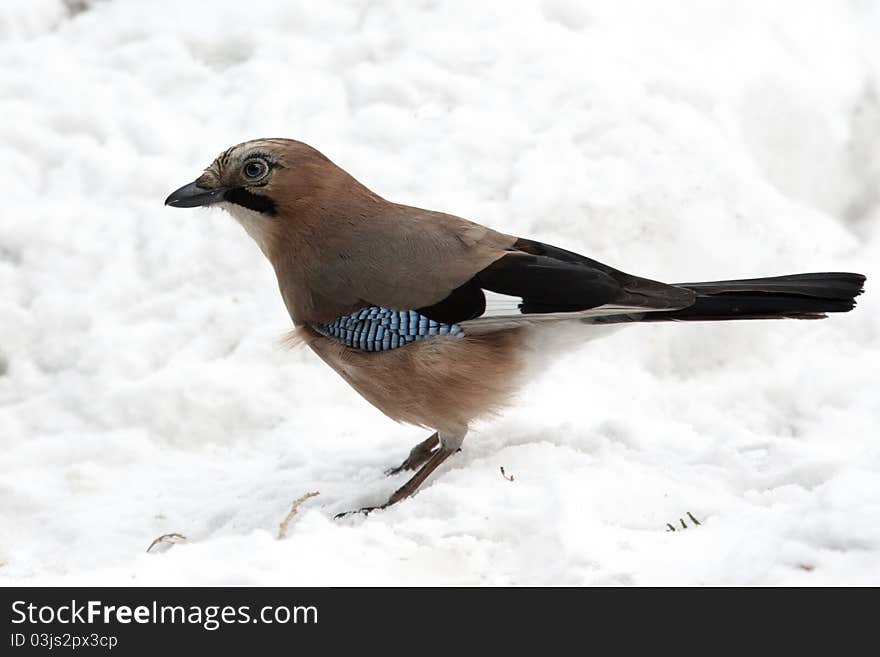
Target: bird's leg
(449, 443)
(417, 455)
(411, 486)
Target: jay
(428, 315)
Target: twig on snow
(169, 539)
(282, 528)
(671, 527)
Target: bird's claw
(418, 456)
(366, 511)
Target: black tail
(799, 296)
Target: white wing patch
(501, 305)
(488, 323)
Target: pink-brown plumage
(338, 248)
(442, 384)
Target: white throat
(254, 223)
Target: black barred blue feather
(379, 329)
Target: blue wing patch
(379, 329)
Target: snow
(143, 388)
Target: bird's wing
(402, 258)
(452, 270)
(535, 282)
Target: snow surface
(143, 389)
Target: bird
(428, 315)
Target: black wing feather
(552, 280)
(465, 302)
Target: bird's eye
(255, 169)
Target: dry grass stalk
(171, 539)
(282, 528)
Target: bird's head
(264, 184)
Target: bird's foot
(398, 495)
(366, 511)
(418, 455)
(412, 485)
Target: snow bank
(142, 388)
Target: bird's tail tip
(796, 296)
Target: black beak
(191, 196)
